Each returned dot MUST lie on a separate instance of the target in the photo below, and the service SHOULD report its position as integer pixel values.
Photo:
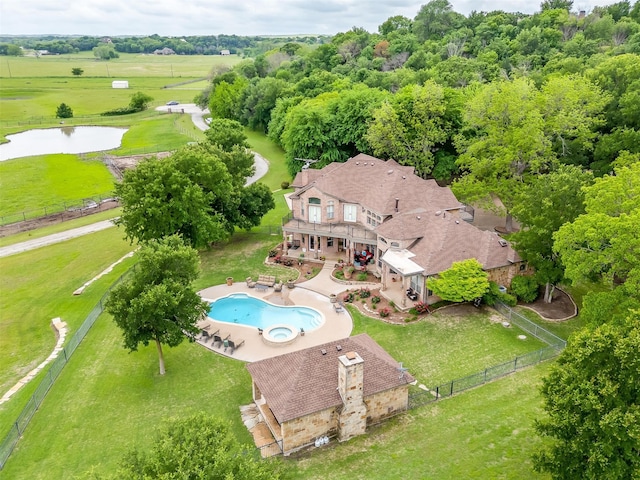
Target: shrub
(364, 292)
(508, 299)
(339, 274)
(375, 299)
(348, 298)
(284, 185)
(287, 262)
(385, 312)
(119, 111)
(273, 253)
(524, 288)
(421, 307)
(361, 277)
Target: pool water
(246, 310)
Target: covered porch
(402, 279)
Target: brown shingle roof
(445, 240)
(375, 184)
(300, 383)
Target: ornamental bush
(524, 288)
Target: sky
(214, 17)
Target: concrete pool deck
(335, 326)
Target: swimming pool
(244, 309)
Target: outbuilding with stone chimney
(333, 390)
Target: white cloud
(212, 17)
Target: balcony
(351, 231)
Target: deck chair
(220, 338)
(233, 345)
(338, 307)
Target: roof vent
(339, 347)
(350, 355)
(403, 177)
(365, 163)
(357, 163)
(418, 217)
(389, 172)
(438, 213)
(323, 351)
(502, 242)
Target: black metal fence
(555, 346)
(9, 442)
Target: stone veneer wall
(504, 275)
(303, 431)
(386, 404)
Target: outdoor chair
(232, 345)
(338, 307)
(277, 287)
(220, 338)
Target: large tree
(410, 124)
(505, 144)
(541, 208)
(157, 303)
(190, 193)
(603, 244)
(197, 447)
(592, 402)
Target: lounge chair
(220, 338)
(250, 282)
(338, 307)
(233, 345)
(277, 287)
(206, 335)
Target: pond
(61, 140)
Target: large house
(402, 227)
(336, 389)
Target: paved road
(54, 238)
(197, 116)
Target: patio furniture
(220, 338)
(268, 280)
(338, 307)
(412, 294)
(277, 287)
(260, 286)
(233, 345)
(205, 335)
(250, 282)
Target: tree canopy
(592, 405)
(542, 207)
(192, 194)
(197, 447)
(463, 282)
(157, 303)
(603, 243)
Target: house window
(329, 241)
(350, 212)
(523, 267)
(302, 209)
(383, 240)
(395, 244)
(314, 201)
(330, 209)
(373, 219)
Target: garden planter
(229, 281)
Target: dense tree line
(185, 45)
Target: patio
(336, 325)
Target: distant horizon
(170, 18)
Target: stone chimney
(353, 417)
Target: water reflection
(68, 131)
(61, 140)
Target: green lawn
(32, 183)
(37, 286)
